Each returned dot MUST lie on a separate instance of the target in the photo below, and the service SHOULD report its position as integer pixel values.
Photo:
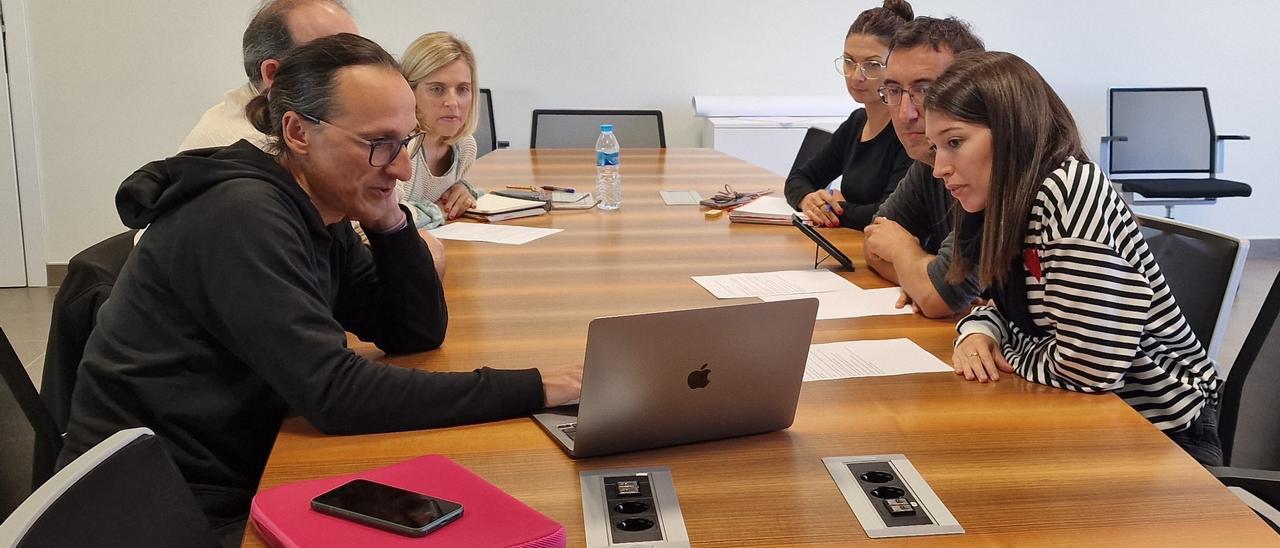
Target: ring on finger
(971, 354)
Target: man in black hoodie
(233, 308)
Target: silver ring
(972, 355)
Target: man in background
(276, 27)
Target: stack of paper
(769, 210)
(492, 207)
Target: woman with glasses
(863, 151)
(442, 70)
(233, 309)
(1078, 301)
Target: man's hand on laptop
(561, 385)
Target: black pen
(559, 188)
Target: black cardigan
(870, 169)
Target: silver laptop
(667, 378)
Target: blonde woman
(441, 68)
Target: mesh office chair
(125, 491)
(1166, 131)
(579, 128)
(29, 440)
(486, 131)
(1249, 421)
(814, 140)
(1203, 270)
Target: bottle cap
(606, 127)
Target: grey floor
(25, 312)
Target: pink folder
(491, 517)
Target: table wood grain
(1016, 463)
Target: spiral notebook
(284, 518)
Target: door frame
(26, 139)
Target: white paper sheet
(843, 360)
(767, 205)
(851, 304)
(498, 234)
(785, 282)
(680, 197)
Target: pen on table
(558, 188)
(525, 187)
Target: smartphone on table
(387, 508)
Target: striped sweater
(1111, 322)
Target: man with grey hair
(277, 26)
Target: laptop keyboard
(570, 430)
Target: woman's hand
(978, 358)
(455, 200)
(823, 207)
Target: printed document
(843, 360)
(498, 234)
(851, 304)
(786, 282)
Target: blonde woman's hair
(431, 52)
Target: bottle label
(606, 159)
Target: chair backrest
(1249, 423)
(29, 440)
(125, 491)
(1203, 270)
(90, 276)
(486, 132)
(579, 128)
(814, 140)
(1164, 130)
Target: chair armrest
(1265, 484)
(1260, 489)
(504, 144)
(1233, 137)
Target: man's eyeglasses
(892, 95)
(381, 151)
(871, 70)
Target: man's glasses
(381, 151)
(871, 70)
(892, 95)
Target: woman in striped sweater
(1078, 301)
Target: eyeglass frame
(375, 143)
(918, 90)
(843, 60)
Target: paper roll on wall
(773, 105)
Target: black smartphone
(388, 508)
(822, 242)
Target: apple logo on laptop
(699, 377)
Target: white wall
(120, 83)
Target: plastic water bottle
(608, 179)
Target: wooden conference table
(1016, 463)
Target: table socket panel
(608, 510)
(867, 482)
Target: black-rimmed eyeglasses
(381, 151)
(892, 95)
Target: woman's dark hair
(307, 78)
(1032, 134)
(882, 22)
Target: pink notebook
(491, 517)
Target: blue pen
(830, 192)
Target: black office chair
(1249, 420)
(124, 492)
(579, 128)
(29, 440)
(1166, 131)
(1203, 270)
(486, 131)
(90, 276)
(814, 140)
